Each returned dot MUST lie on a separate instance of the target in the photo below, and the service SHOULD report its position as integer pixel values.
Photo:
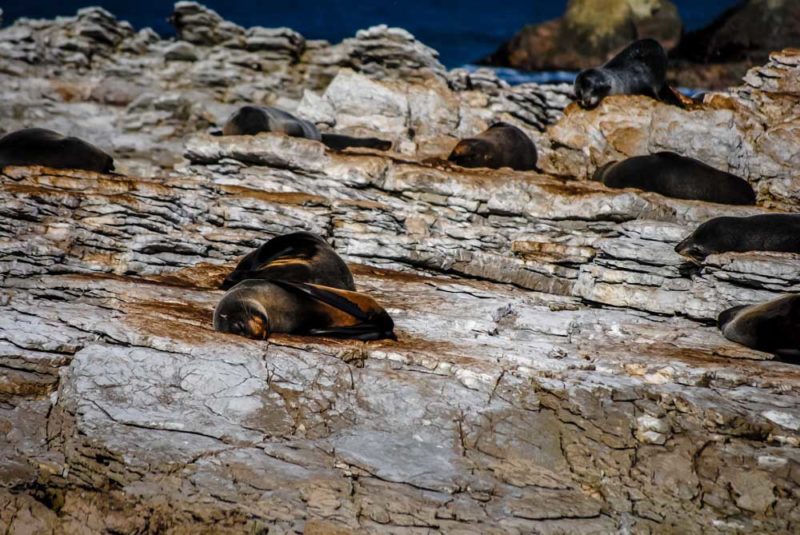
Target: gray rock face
(557, 368)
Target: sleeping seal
(766, 232)
(677, 176)
(773, 326)
(38, 146)
(250, 120)
(640, 69)
(295, 257)
(501, 145)
(257, 308)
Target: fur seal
(766, 232)
(773, 326)
(39, 146)
(501, 145)
(640, 69)
(676, 176)
(257, 308)
(295, 257)
(250, 120)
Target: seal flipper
(340, 142)
(670, 96)
(371, 321)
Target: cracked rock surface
(557, 369)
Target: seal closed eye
(765, 232)
(640, 69)
(256, 308)
(295, 257)
(773, 326)
(501, 145)
(39, 146)
(251, 120)
(677, 176)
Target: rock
(748, 32)
(180, 51)
(588, 34)
(199, 25)
(557, 368)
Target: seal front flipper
(364, 331)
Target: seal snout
(691, 250)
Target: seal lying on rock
(257, 308)
(39, 146)
(295, 257)
(676, 176)
(773, 326)
(766, 232)
(640, 69)
(250, 120)
(501, 145)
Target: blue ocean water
(461, 30)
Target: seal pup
(765, 232)
(773, 327)
(640, 69)
(295, 257)
(501, 145)
(250, 120)
(257, 308)
(39, 146)
(676, 176)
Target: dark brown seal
(773, 327)
(251, 120)
(38, 146)
(501, 145)
(766, 232)
(295, 257)
(640, 69)
(677, 176)
(257, 308)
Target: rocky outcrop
(588, 34)
(753, 128)
(557, 368)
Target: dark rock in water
(588, 34)
(747, 32)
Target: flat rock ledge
(557, 368)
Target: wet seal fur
(773, 327)
(640, 69)
(257, 308)
(295, 257)
(677, 176)
(251, 120)
(39, 146)
(765, 232)
(501, 145)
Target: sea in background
(463, 31)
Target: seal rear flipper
(671, 96)
(363, 331)
(341, 142)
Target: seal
(251, 120)
(295, 257)
(257, 308)
(501, 145)
(765, 232)
(773, 327)
(640, 69)
(677, 176)
(39, 146)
